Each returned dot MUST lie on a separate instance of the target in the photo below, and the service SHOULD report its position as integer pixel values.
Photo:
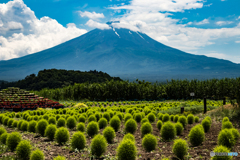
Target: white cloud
(238, 18)
(91, 15)
(205, 21)
(21, 33)
(94, 24)
(221, 23)
(208, 5)
(234, 59)
(237, 41)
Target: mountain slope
(119, 52)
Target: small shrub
(209, 118)
(10, 122)
(2, 130)
(92, 118)
(172, 118)
(144, 120)
(149, 142)
(221, 149)
(146, 128)
(120, 116)
(225, 119)
(81, 127)
(168, 131)
(165, 118)
(78, 141)
(61, 122)
(3, 138)
(98, 145)
(206, 125)
(196, 119)
(179, 128)
(24, 126)
(41, 126)
(227, 125)
(138, 117)
(196, 135)
(50, 131)
(98, 116)
(102, 123)
(235, 133)
(37, 155)
(106, 115)
(127, 150)
(190, 119)
(115, 123)
(127, 117)
(61, 135)
(23, 149)
(5, 121)
(151, 117)
(82, 119)
(180, 148)
(13, 140)
(15, 123)
(59, 158)
(131, 126)
(226, 138)
(92, 128)
(129, 136)
(183, 120)
(71, 122)
(32, 126)
(19, 124)
(109, 134)
(160, 116)
(52, 120)
(159, 125)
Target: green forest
(54, 78)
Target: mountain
(122, 53)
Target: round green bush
(52, 120)
(131, 126)
(206, 125)
(151, 117)
(190, 119)
(62, 135)
(102, 123)
(179, 128)
(2, 130)
(19, 124)
(129, 136)
(82, 119)
(146, 128)
(196, 135)
(14, 124)
(10, 122)
(71, 122)
(109, 134)
(144, 120)
(61, 122)
(37, 155)
(120, 116)
(115, 123)
(98, 116)
(13, 140)
(59, 158)
(235, 133)
(45, 117)
(165, 118)
(183, 120)
(226, 138)
(227, 125)
(138, 117)
(168, 131)
(92, 118)
(196, 119)
(5, 121)
(41, 126)
(159, 125)
(149, 142)
(3, 138)
(180, 148)
(81, 127)
(160, 116)
(209, 118)
(127, 117)
(106, 115)
(221, 149)
(78, 141)
(98, 145)
(225, 119)
(50, 131)
(24, 126)
(32, 126)
(92, 128)
(23, 149)
(127, 150)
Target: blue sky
(203, 27)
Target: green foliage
(82, 119)
(144, 120)
(129, 136)
(235, 133)
(168, 131)
(190, 119)
(225, 119)
(5, 121)
(14, 124)
(92, 118)
(227, 125)
(179, 128)
(13, 139)
(106, 115)
(138, 117)
(102, 123)
(3, 138)
(59, 158)
(226, 138)
(127, 117)
(196, 135)
(159, 125)
(209, 118)
(221, 149)
(32, 126)
(115, 123)
(24, 126)
(183, 120)
(109, 134)
(149, 142)
(180, 148)
(78, 141)
(151, 117)
(98, 145)
(146, 128)
(37, 155)
(165, 118)
(92, 128)
(206, 125)
(52, 120)
(62, 135)
(127, 150)
(131, 126)
(71, 122)
(81, 127)
(61, 122)
(23, 150)
(2, 130)
(196, 119)
(41, 126)
(10, 122)
(50, 131)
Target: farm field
(113, 122)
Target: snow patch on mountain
(130, 32)
(117, 34)
(140, 35)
